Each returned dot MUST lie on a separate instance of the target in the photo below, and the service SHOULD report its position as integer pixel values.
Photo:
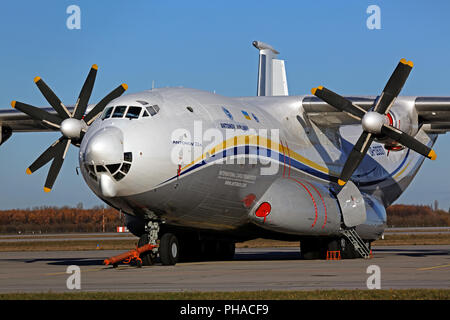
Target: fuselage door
(352, 205)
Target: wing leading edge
(433, 112)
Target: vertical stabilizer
(271, 72)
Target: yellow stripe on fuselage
(260, 142)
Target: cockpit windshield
(133, 112)
(119, 112)
(107, 113)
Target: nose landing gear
(168, 248)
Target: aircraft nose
(105, 147)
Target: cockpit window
(119, 112)
(145, 114)
(153, 109)
(133, 112)
(107, 113)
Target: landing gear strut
(149, 237)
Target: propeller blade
(45, 157)
(117, 92)
(408, 141)
(393, 86)
(37, 114)
(356, 156)
(338, 102)
(60, 154)
(85, 94)
(51, 97)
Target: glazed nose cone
(105, 147)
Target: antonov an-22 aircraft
(195, 172)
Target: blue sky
(207, 45)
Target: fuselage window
(119, 112)
(133, 112)
(107, 113)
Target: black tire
(227, 250)
(348, 250)
(313, 249)
(308, 250)
(211, 250)
(169, 249)
(147, 257)
(190, 249)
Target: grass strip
(404, 294)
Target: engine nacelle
(403, 116)
(6, 133)
(299, 207)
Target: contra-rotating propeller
(72, 126)
(375, 123)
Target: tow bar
(132, 255)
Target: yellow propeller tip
(313, 91)
(13, 103)
(37, 79)
(94, 66)
(341, 182)
(125, 86)
(47, 189)
(432, 155)
(29, 171)
(409, 63)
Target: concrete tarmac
(401, 267)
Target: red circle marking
(263, 210)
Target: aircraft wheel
(347, 249)
(311, 249)
(169, 249)
(146, 256)
(227, 250)
(190, 249)
(308, 250)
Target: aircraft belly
(216, 197)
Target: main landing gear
(311, 248)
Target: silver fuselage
(209, 191)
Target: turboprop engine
(305, 208)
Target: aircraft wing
(322, 114)
(433, 112)
(17, 121)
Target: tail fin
(271, 72)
